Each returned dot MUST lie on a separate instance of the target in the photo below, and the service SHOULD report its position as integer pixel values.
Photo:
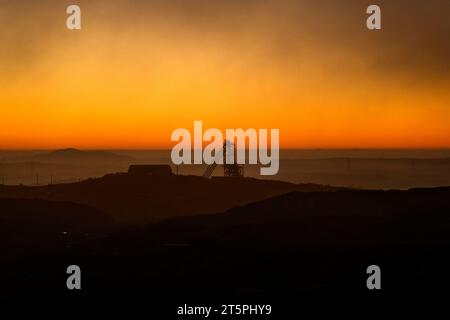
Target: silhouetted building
(150, 169)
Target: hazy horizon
(307, 152)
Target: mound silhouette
(140, 199)
(71, 155)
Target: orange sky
(139, 69)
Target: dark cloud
(414, 40)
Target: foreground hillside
(39, 226)
(294, 244)
(338, 219)
(142, 199)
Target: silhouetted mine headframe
(233, 170)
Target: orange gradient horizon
(140, 69)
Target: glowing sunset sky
(140, 69)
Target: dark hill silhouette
(142, 199)
(353, 218)
(71, 155)
(297, 244)
(38, 225)
(292, 244)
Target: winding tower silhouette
(232, 170)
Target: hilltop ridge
(140, 199)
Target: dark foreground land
(278, 240)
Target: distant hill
(75, 155)
(142, 199)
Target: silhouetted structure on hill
(149, 169)
(232, 170)
(152, 193)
